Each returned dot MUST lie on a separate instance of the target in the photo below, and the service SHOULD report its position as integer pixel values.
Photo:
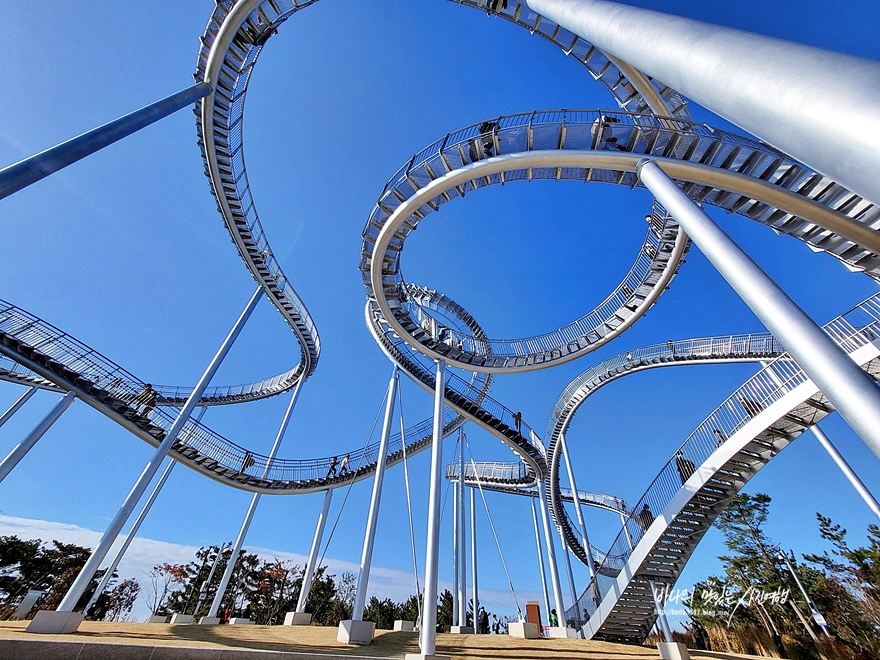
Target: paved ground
(320, 640)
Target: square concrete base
(563, 633)
(419, 656)
(400, 624)
(55, 623)
(461, 630)
(157, 618)
(240, 622)
(297, 619)
(355, 632)
(209, 621)
(673, 651)
(181, 618)
(523, 629)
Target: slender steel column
(551, 556)
(455, 550)
(373, 517)
(852, 392)
(428, 631)
(848, 472)
(626, 533)
(754, 81)
(661, 613)
(814, 611)
(476, 591)
(136, 525)
(30, 170)
(203, 591)
(100, 552)
(541, 563)
(311, 568)
(578, 510)
(252, 509)
(18, 404)
(571, 586)
(462, 539)
(22, 448)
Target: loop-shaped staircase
(738, 174)
(726, 349)
(38, 354)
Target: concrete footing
(237, 621)
(563, 633)
(209, 621)
(356, 632)
(297, 619)
(50, 622)
(461, 630)
(419, 656)
(400, 624)
(673, 651)
(523, 629)
(157, 618)
(181, 618)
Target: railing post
(851, 391)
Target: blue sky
(127, 252)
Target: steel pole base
(420, 656)
(50, 622)
(673, 651)
(356, 632)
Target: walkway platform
(141, 641)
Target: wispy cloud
(145, 553)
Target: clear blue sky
(127, 252)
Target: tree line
(758, 604)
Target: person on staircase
(331, 471)
(343, 466)
(685, 467)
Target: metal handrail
(857, 327)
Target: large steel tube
(821, 107)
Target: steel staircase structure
(740, 437)
(35, 353)
(735, 173)
(727, 349)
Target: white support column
(551, 556)
(851, 391)
(100, 552)
(136, 525)
(661, 613)
(428, 631)
(541, 562)
(22, 448)
(18, 404)
(462, 538)
(571, 587)
(476, 591)
(455, 550)
(626, 533)
(585, 539)
(759, 83)
(848, 472)
(252, 509)
(311, 568)
(373, 517)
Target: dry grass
(316, 639)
